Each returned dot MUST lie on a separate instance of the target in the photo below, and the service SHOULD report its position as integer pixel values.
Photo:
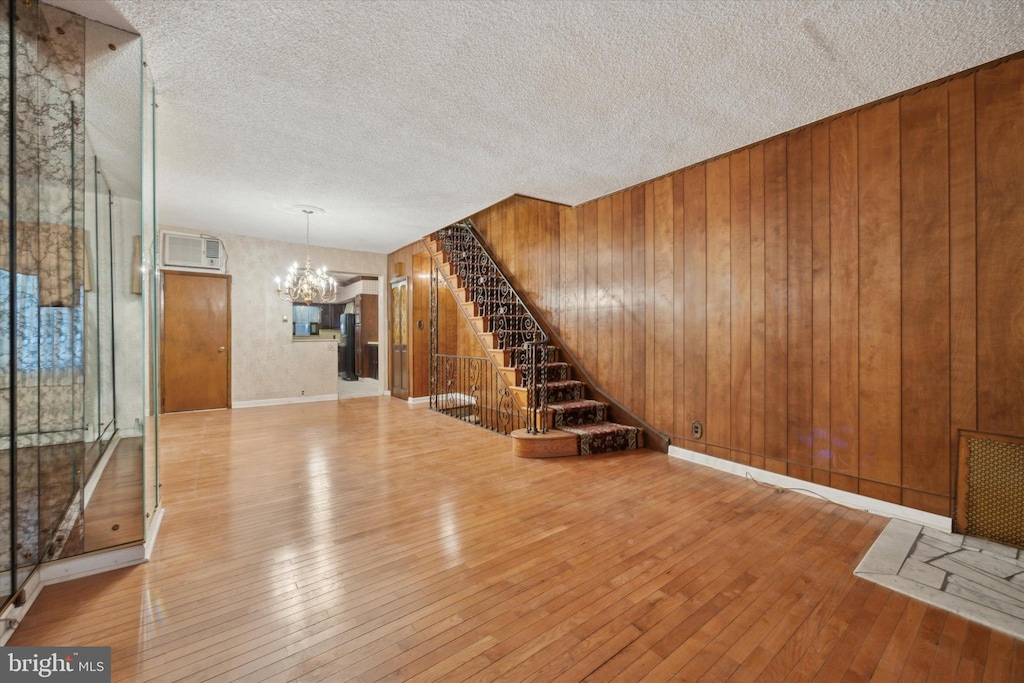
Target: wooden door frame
(160, 341)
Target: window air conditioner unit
(193, 251)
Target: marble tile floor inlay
(975, 578)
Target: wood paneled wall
(455, 336)
(407, 262)
(832, 304)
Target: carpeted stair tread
(557, 372)
(577, 413)
(605, 437)
(565, 390)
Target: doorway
(195, 341)
(400, 338)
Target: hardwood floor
(365, 540)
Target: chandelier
(309, 286)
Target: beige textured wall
(265, 363)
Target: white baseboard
(853, 500)
(154, 529)
(11, 617)
(282, 401)
(418, 400)
(79, 567)
(387, 392)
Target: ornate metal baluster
(515, 330)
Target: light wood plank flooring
(364, 540)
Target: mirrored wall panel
(74, 441)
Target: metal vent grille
(994, 500)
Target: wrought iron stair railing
(472, 390)
(502, 313)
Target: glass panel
(6, 376)
(69, 246)
(24, 303)
(113, 492)
(151, 311)
(52, 364)
(90, 315)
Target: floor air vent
(990, 488)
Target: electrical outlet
(696, 429)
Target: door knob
(220, 350)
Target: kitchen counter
(314, 338)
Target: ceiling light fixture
(310, 286)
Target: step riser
(579, 416)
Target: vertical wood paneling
(638, 378)
(879, 332)
(695, 314)
(528, 251)
(614, 309)
(924, 188)
(719, 270)
(663, 315)
(570, 279)
(844, 362)
(820, 305)
(1000, 148)
(601, 370)
(757, 312)
(627, 314)
(680, 427)
(776, 397)
(963, 316)
(799, 322)
(739, 306)
(841, 300)
(566, 308)
(555, 246)
(648, 204)
(512, 238)
(588, 245)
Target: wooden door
(195, 341)
(400, 338)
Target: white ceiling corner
(401, 117)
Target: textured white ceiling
(399, 117)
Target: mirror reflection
(72, 315)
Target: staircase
(561, 419)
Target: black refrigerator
(347, 347)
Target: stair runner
(568, 408)
(570, 411)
